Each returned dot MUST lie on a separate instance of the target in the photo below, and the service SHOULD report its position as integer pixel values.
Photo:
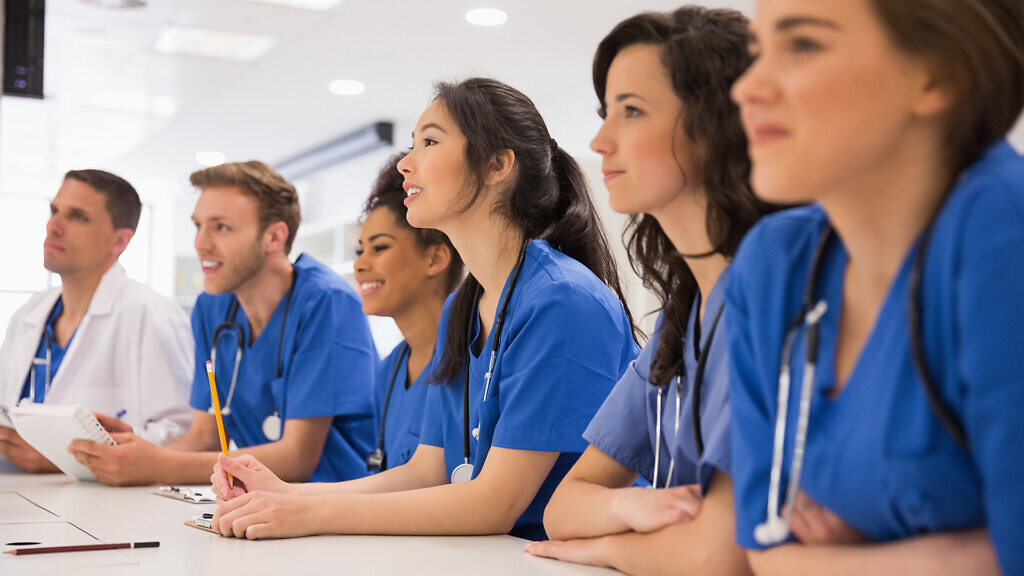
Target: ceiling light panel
(486, 17)
(319, 5)
(212, 44)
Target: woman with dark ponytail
(675, 160)
(528, 347)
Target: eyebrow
(627, 96)
(375, 236)
(430, 125)
(795, 21)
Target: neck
(879, 216)
(489, 247)
(260, 295)
(77, 290)
(684, 221)
(419, 328)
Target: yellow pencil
(216, 412)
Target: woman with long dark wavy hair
(527, 349)
(674, 157)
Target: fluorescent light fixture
(212, 43)
(486, 17)
(341, 149)
(208, 158)
(347, 87)
(319, 5)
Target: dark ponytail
(704, 51)
(548, 199)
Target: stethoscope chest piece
(462, 473)
(272, 427)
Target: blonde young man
(294, 357)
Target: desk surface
(126, 514)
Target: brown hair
(549, 198)
(704, 51)
(278, 199)
(119, 197)
(389, 192)
(977, 47)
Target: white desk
(127, 514)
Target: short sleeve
(752, 424)
(567, 348)
(330, 372)
(990, 317)
(200, 397)
(620, 427)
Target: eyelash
(803, 45)
(426, 142)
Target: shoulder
(139, 297)
(778, 243)
(550, 278)
(988, 198)
(316, 282)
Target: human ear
(932, 95)
(500, 167)
(440, 257)
(275, 236)
(122, 236)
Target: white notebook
(50, 428)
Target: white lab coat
(132, 352)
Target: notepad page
(50, 428)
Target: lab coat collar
(104, 299)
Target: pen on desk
(82, 548)
(216, 412)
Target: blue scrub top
(616, 429)
(405, 409)
(327, 365)
(876, 455)
(37, 374)
(565, 342)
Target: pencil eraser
(209, 366)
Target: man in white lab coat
(100, 340)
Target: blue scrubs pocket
(490, 411)
(933, 492)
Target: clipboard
(202, 522)
(185, 494)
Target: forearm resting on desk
(948, 553)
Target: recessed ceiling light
(320, 5)
(209, 158)
(347, 87)
(212, 43)
(486, 17)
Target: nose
(202, 240)
(405, 164)
(54, 226)
(362, 262)
(755, 86)
(603, 142)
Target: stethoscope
(272, 423)
(377, 461)
(698, 377)
(47, 360)
(464, 472)
(776, 527)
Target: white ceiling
(112, 101)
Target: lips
(610, 175)
(51, 246)
(210, 266)
(764, 133)
(370, 286)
